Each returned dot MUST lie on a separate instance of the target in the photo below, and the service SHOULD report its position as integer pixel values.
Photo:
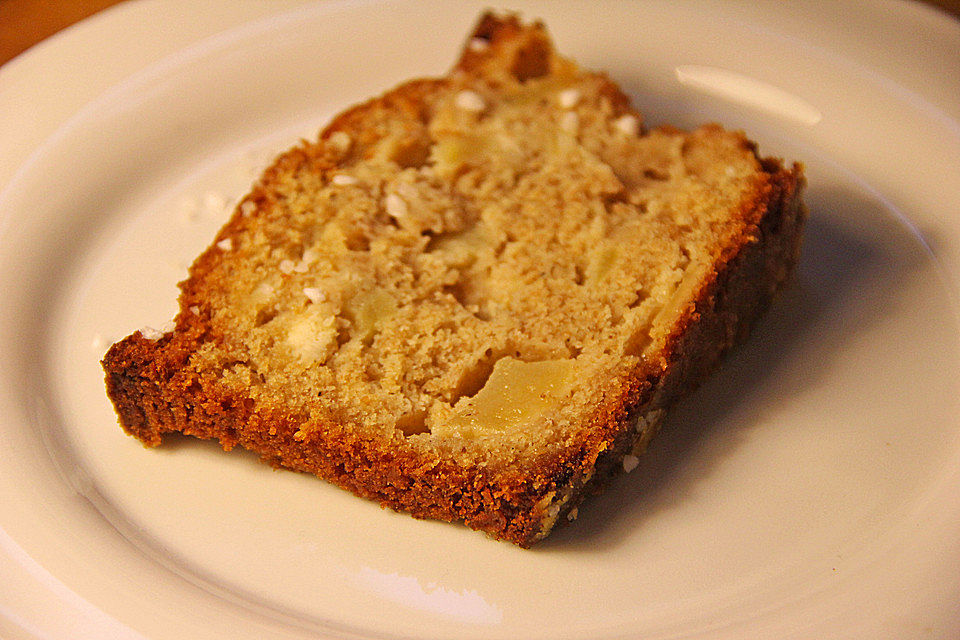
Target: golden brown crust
(155, 392)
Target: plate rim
(53, 48)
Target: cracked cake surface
(473, 297)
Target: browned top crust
(472, 296)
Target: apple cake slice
(473, 297)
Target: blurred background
(23, 23)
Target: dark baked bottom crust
(154, 394)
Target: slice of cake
(474, 296)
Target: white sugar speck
(286, 266)
(342, 180)
(194, 309)
(247, 208)
(98, 343)
(340, 141)
(151, 334)
(569, 98)
(630, 462)
(628, 125)
(315, 294)
(470, 101)
(214, 203)
(395, 205)
(478, 44)
(225, 245)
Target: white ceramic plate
(810, 489)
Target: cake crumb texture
(472, 296)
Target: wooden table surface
(23, 23)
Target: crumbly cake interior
(447, 276)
